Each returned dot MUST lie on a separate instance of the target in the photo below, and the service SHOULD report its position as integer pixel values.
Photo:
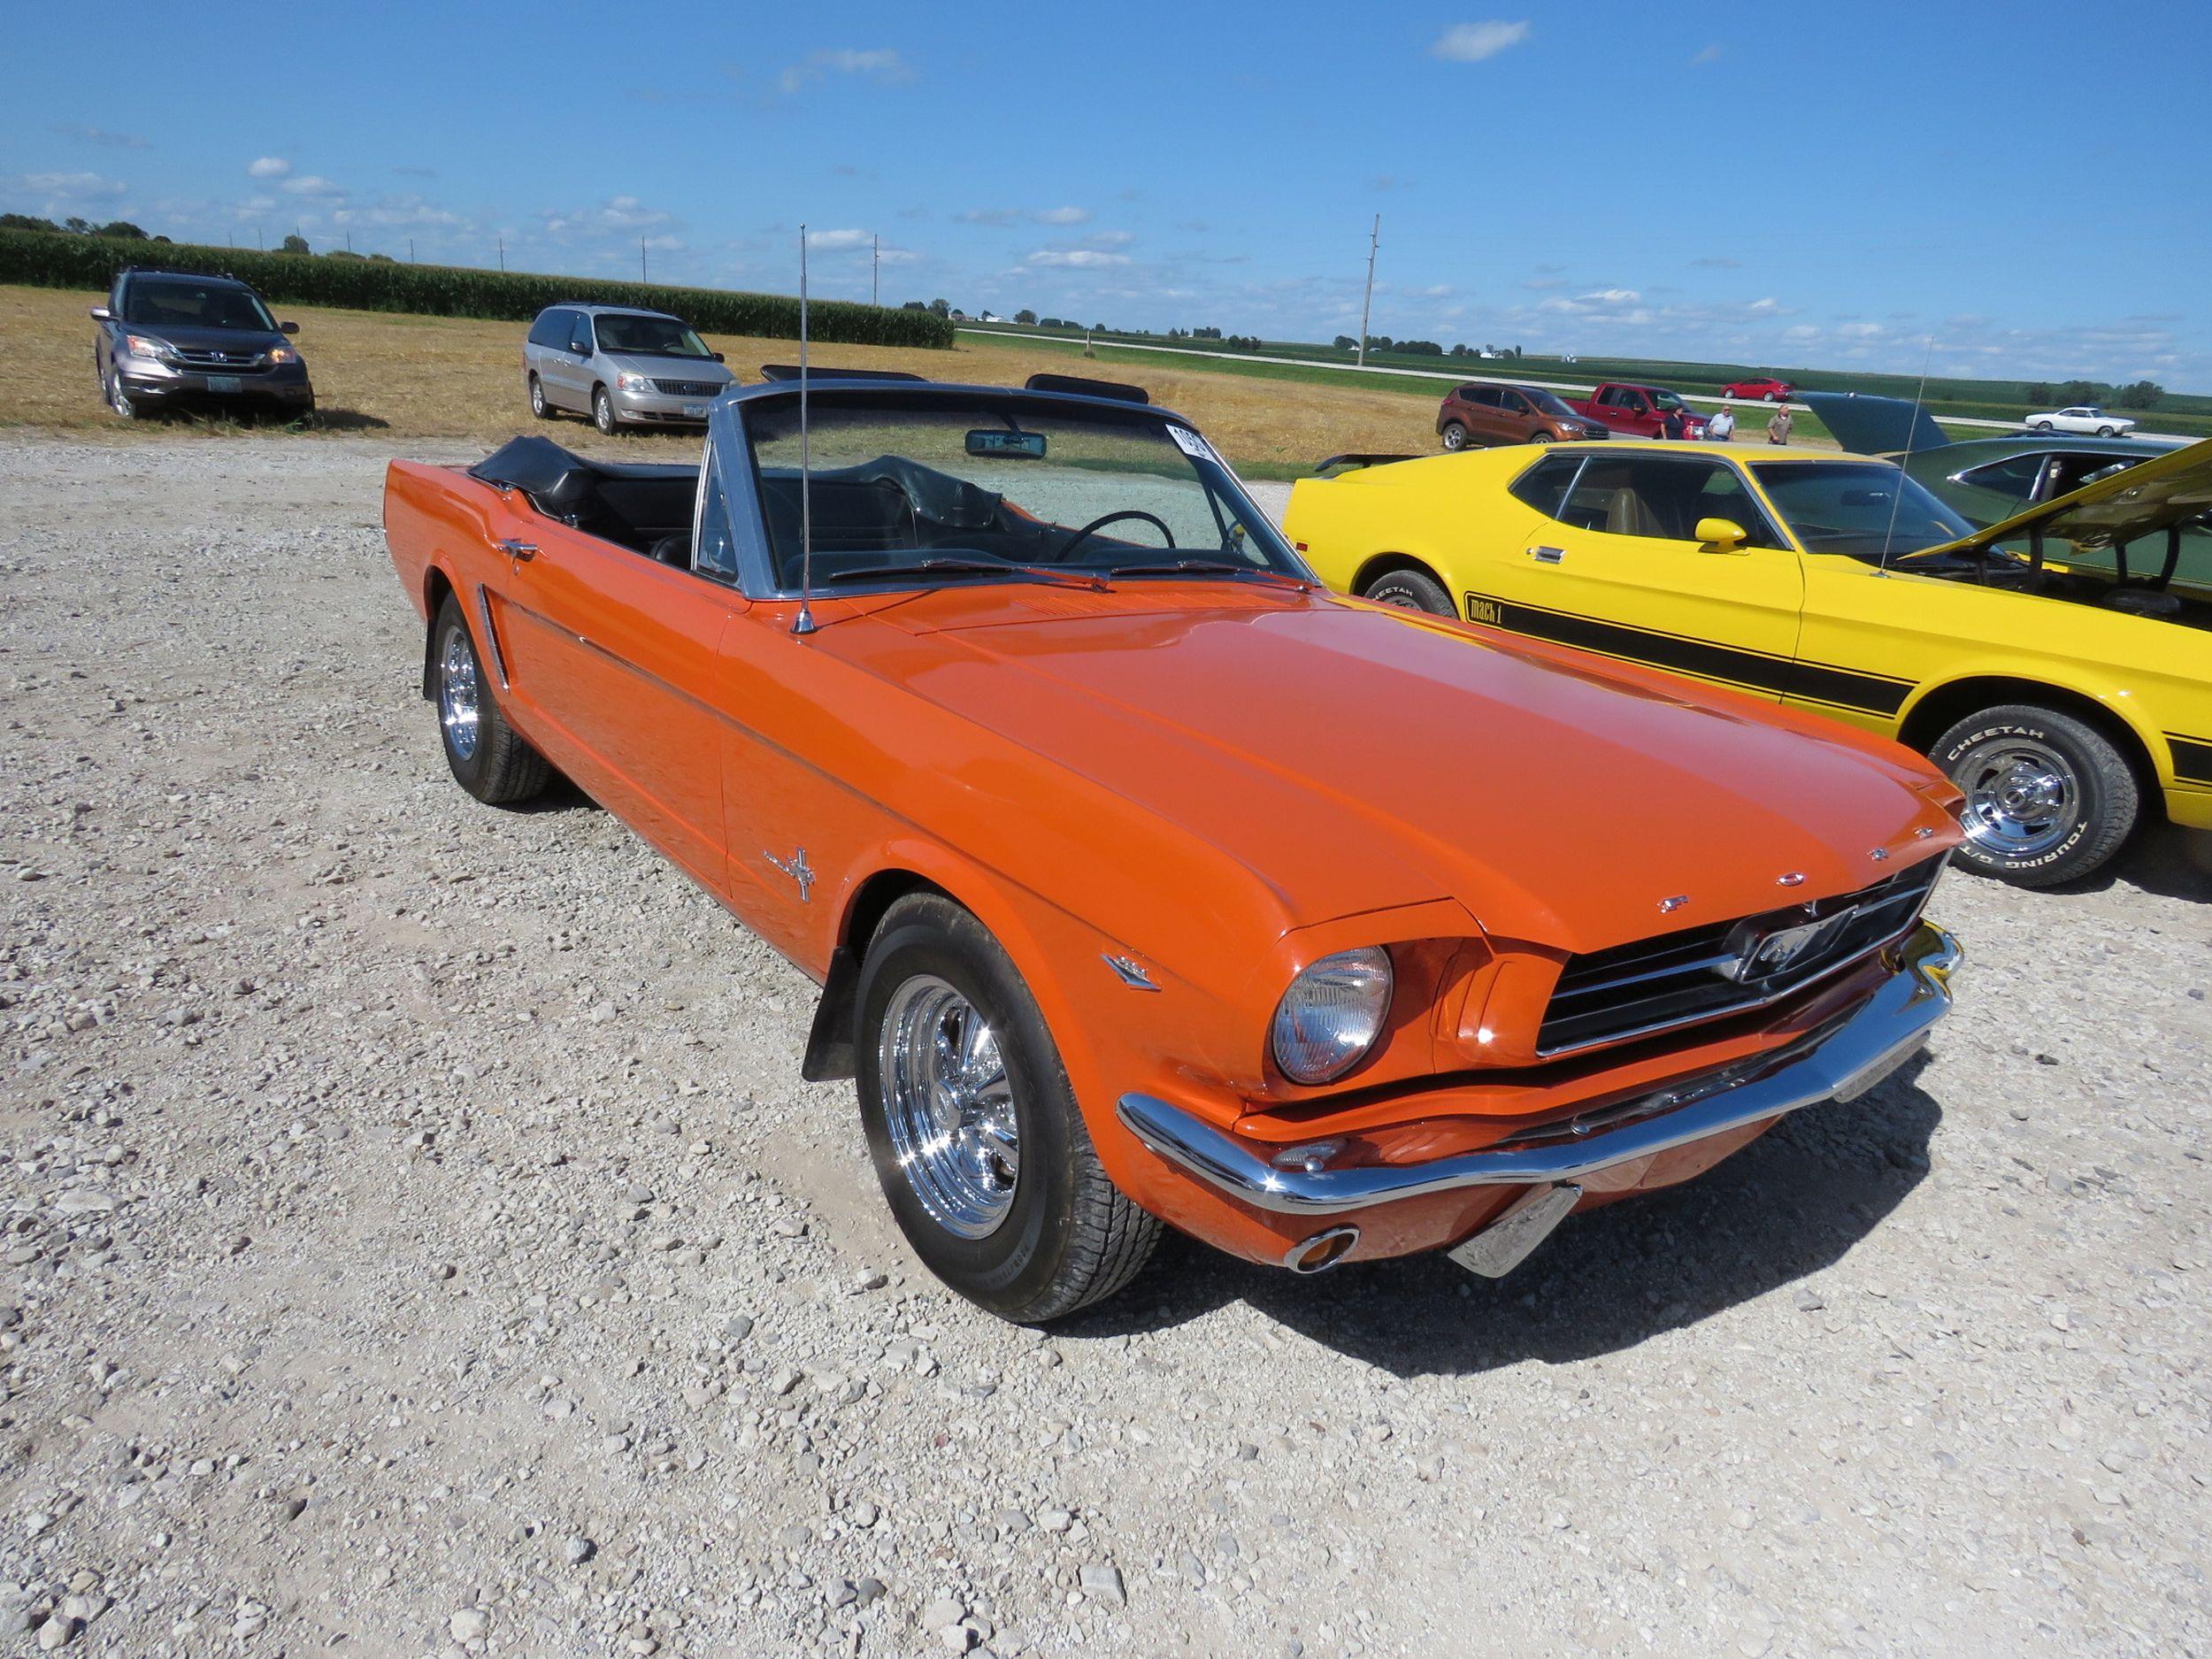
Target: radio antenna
(803, 623)
(1897, 495)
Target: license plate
(694, 412)
(224, 383)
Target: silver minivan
(621, 367)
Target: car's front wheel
(2108, 432)
(1455, 436)
(1770, 397)
(602, 415)
(1411, 590)
(973, 1128)
(539, 407)
(488, 757)
(2048, 797)
(2045, 425)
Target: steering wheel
(1097, 524)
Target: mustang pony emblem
(1761, 953)
(796, 867)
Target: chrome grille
(218, 357)
(686, 389)
(1704, 973)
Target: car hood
(2148, 499)
(1876, 426)
(188, 339)
(671, 368)
(1356, 758)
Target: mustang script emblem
(796, 867)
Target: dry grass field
(446, 377)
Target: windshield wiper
(1209, 567)
(966, 567)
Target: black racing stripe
(1872, 694)
(2192, 758)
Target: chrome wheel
(537, 397)
(120, 400)
(1455, 437)
(459, 708)
(948, 1107)
(2022, 797)
(602, 413)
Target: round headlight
(1332, 1015)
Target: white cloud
(313, 184)
(835, 238)
(67, 190)
(623, 214)
(1076, 258)
(1471, 42)
(1004, 216)
(1110, 239)
(1612, 297)
(101, 137)
(1710, 55)
(880, 64)
(267, 167)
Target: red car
(1766, 389)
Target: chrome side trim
(491, 634)
(1881, 1034)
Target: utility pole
(503, 251)
(641, 260)
(410, 250)
(259, 245)
(1374, 237)
(348, 241)
(875, 270)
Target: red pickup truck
(1641, 412)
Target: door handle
(515, 550)
(1547, 555)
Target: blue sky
(2023, 184)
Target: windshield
(1670, 400)
(184, 303)
(1019, 482)
(1548, 403)
(1857, 508)
(647, 336)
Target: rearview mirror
(1720, 535)
(287, 328)
(996, 441)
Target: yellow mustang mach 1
(2060, 699)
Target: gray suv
(621, 367)
(167, 338)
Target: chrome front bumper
(1839, 1063)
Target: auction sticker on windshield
(1190, 443)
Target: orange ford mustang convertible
(1148, 881)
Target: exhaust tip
(1321, 1252)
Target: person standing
(1778, 429)
(1721, 425)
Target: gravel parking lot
(419, 1241)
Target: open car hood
(2146, 499)
(1876, 426)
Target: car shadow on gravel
(2165, 859)
(1789, 1205)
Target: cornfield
(40, 259)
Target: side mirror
(719, 358)
(101, 314)
(579, 347)
(1720, 535)
(287, 328)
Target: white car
(2082, 418)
